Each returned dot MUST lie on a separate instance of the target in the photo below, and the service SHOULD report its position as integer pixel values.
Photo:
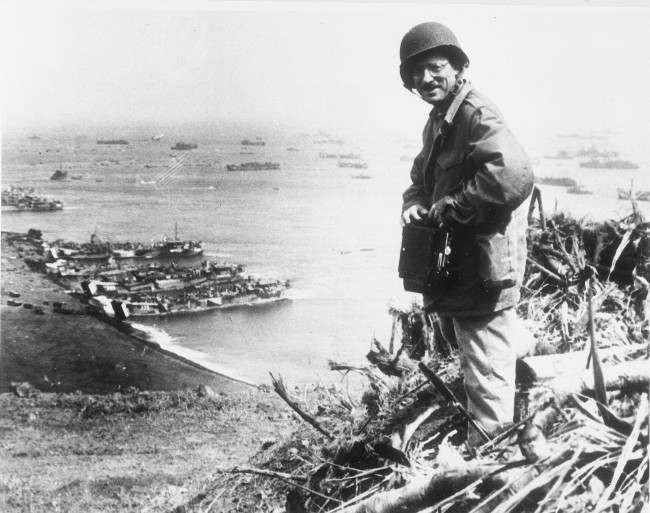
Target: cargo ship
(112, 141)
(256, 142)
(354, 165)
(59, 175)
(609, 164)
(557, 181)
(578, 189)
(26, 199)
(253, 166)
(184, 146)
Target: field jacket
(478, 175)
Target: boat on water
(362, 176)
(140, 309)
(253, 166)
(253, 142)
(25, 199)
(184, 146)
(59, 175)
(185, 248)
(595, 153)
(112, 141)
(607, 163)
(292, 148)
(354, 165)
(157, 137)
(578, 189)
(350, 156)
(561, 181)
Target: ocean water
(334, 235)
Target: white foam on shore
(166, 342)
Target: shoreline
(101, 358)
(107, 422)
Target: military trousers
(489, 347)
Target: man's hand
(414, 213)
(436, 214)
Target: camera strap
(439, 138)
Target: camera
(424, 261)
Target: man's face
(433, 78)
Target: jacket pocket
(496, 260)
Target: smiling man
(470, 179)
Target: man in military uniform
(470, 178)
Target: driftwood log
(454, 483)
(424, 492)
(567, 372)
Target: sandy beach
(84, 436)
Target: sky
(550, 68)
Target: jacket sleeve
(503, 177)
(416, 192)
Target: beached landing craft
(155, 290)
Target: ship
(112, 141)
(354, 165)
(557, 181)
(578, 189)
(177, 247)
(253, 166)
(256, 142)
(594, 152)
(608, 163)
(351, 156)
(184, 146)
(157, 137)
(26, 199)
(59, 175)
(325, 155)
(292, 148)
(184, 248)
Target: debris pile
(580, 437)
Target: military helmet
(424, 37)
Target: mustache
(431, 86)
